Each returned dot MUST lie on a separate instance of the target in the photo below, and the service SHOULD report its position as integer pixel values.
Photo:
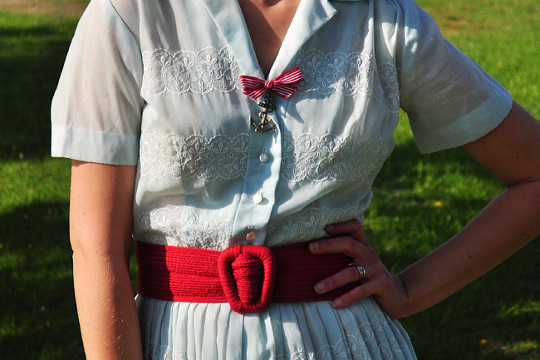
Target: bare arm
(100, 230)
(512, 153)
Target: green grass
(37, 310)
(419, 200)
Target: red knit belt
(248, 277)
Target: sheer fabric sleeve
(449, 99)
(96, 109)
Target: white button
(264, 157)
(258, 197)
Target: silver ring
(361, 270)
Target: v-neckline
(230, 21)
(267, 33)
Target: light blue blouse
(156, 84)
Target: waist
(248, 277)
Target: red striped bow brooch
(283, 85)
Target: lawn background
(419, 200)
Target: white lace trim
(388, 91)
(183, 226)
(309, 223)
(211, 69)
(305, 158)
(331, 158)
(348, 74)
(195, 157)
(327, 73)
(199, 72)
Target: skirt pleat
(286, 331)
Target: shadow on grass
(411, 166)
(37, 303)
(32, 51)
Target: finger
(350, 226)
(336, 245)
(348, 246)
(356, 294)
(346, 276)
(353, 228)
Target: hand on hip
(366, 269)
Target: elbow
(87, 250)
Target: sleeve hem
(468, 128)
(94, 146)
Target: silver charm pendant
(266, 124)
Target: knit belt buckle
(247, 274)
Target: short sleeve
(96, 109)
(449, 99)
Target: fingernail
(329, 227)
(314, 246)
(319, 288)
(336, 303)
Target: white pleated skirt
(299, 331)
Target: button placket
(261, 178)
(262, 173)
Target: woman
(177, 139)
